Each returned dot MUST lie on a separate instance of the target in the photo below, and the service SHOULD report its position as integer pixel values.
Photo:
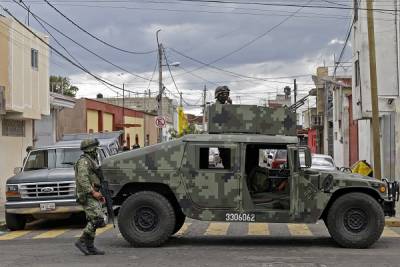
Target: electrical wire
(95, 37)
(271, 29)
(61, 54)
(82, 46)
(169, 69)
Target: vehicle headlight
(12, 190)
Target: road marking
(258, 229)
(50, 234)
(217, 229)
(183, 230)
(389, 233)
(14, 235)
(103, 229)
(299, 229)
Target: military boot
(92, 249)
(81, 244)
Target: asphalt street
(197, 244)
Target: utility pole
(123, 105)
(160, 85)
(295, 91)
(204, 107)
(180, 99)
(374, 91)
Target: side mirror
(307, 158)
(17, 170)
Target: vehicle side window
(215, 158)
(67, 157)
(37, 160)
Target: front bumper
(33, 207)
(389, 206)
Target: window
(357, 73)
(34, 58)
(67, 157)
(13, 128)
(215, 158)
(37, 160)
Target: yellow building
(24, 93)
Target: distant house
(93, 116)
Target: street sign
(160, 122)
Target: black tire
(15, 221)
(146, 219)
(355, 220)
(179, 221)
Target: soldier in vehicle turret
(222, 95)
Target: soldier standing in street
(222, 95)
(89, 196)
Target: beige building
(24, 93)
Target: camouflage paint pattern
(210, 194)
(94, 211)
(251, 119)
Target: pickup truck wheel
(355, 220)
(146, 219)
(15, 221)
(179, 221)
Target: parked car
(45, 186)
(320, 162)
(277, 158)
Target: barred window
(13, 128)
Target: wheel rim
(145, 219)
(355, 220)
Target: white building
(387, 57)
(24, 93)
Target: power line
(252, 40)
(227, 71)
(169, 69)
(95, 37)
(82, 46)
(284, 5)
(59, 53)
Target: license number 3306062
(240, 217)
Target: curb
(392, 222)
(3, 226)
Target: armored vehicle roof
(246, 138)
(251, 119)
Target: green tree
(62, 85)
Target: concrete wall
(133, 131)
(92, 121)
(27, 89)
(341, 127)
(72, 120)
(150, 129)
(16, 151)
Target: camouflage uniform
(87, 181)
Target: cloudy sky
(263, 44)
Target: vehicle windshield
(37, 160)
(66, 157)
(281, 154)
(320, 161)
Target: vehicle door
(307, 200)
(212, 184)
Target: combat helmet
(89, 144)
(221, 89)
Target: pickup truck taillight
(12, 191)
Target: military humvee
(160, 185)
